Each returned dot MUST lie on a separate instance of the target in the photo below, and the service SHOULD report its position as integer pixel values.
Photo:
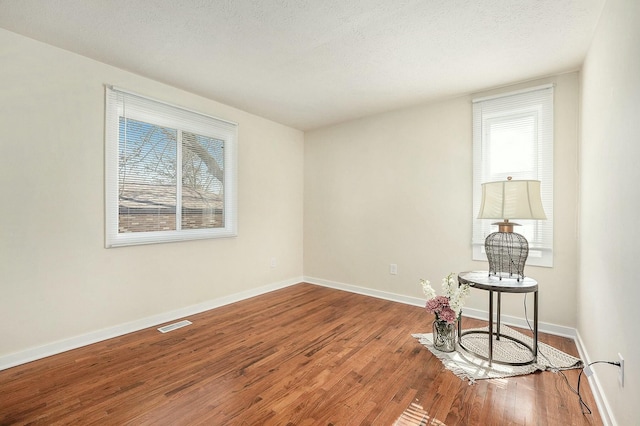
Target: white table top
(482, 280)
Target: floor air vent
(171, 327)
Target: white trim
(509, 108)
(606, 413)
(32, 354)
(537, 257)
(394, 297)
(22, 357)
(122, 103)
(515, 92)
(559, 330)
(149, 98)
(544, 327)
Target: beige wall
(608, 317)
(392, 188)
(58, 280)
(396, 188)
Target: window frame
(536, 102)
(161, 113)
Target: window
(513, 136)
(170, 172)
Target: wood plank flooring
(303, 355)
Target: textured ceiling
(311, 63)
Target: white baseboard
(32, 354)
(558, 330)
(601, 400)
(394, 297)
(544, 327)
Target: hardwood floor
(304, 355)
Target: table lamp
(506, 250)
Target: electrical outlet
(393, 269)
(274, 262)
(621, 372)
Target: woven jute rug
(467, 365)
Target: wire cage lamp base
(507, 253)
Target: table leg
(460, 329)
(498, 317)
(491, 327)
(535, 326)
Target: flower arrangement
(446, 308)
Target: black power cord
(583, 405)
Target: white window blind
(513, 136)
(170, 173)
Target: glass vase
(444, 336)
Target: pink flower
(436, 304)
(446, 308)
(447, 314)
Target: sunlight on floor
(415, 415)
(500, 383)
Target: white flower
(427, 289)
(449, 285)
(456, 301)
(452, 291)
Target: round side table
(482, 281)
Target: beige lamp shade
(511, 199)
